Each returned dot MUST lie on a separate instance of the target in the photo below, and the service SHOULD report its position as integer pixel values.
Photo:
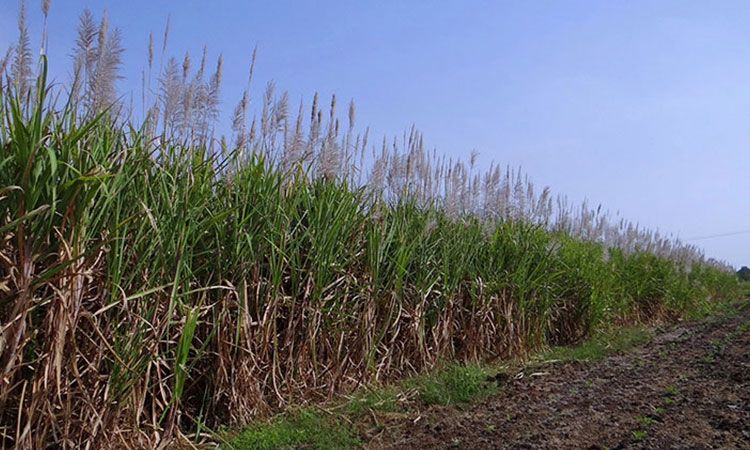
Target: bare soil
(688, 388)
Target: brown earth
(688, 388)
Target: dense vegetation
(155, 279)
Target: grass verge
(339, 426)
(307, 428)
(601, 344)
(454, 384)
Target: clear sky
(641, 106)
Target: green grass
(307, 428)
(601, 344)
(645, 420)
(385, 399)
(745, 288)
(454, 384)
(638, 435)
(450, 385)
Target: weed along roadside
(162, 286)
(353, 420)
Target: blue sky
(641, 106)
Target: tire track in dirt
(688, 388)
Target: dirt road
(688, 388)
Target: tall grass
(156, 280)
